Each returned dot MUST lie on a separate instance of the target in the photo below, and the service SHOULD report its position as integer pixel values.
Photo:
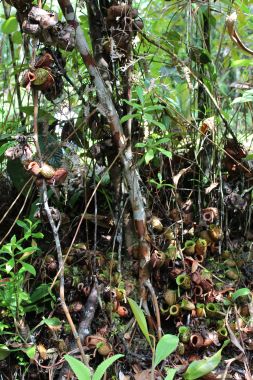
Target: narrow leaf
(139, 91)
(170, 373)
(166, 345)
(240, 293)
(140, 318)
(201, 368)
(80, 370)
(101, 369)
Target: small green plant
(201, 368)
(154, 144)
(15, 301)
(14, 268)
(83, 372)
(166, 345)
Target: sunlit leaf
(80, 370)
(28, 268)
(166, 345)
(4, 147)
(30, 351)
(17, 38)
(201, 368)
(170, 373)
(149, 156)
(240, 293)
(101, 369)
(140, 318)
(10, 25)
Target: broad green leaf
(201, 368)
(166, 153)
(170, 373)
(166, 345)
(149, 155)
(10, 25)
(30, 351)
(5, 146)
(17, 38)
(50, 322)
(28, 268)
(140, 318)
(101, 369)
(80, 370)
(128, 117)
(240, 293)
(4, 351)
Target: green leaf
(242, 63)
(30, 351)
(140, 145)
(149, 155)
(170, 373)
(201, 368)
(40, 292)
(51, 322)
(101, 369)
(128, 117)
(158, 107)
(38, 235)
(140, 318)
(249, 157)
(165, 152)
(81, 371)
(23, 225)
(10, 25)
(242, 99)
(166, 345)
(139, 91)
(5, 146)
(9, 265)
(27, 268)
(17, 38)
(240, 293)
(4, 351)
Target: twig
(61, 275)
(15, 200)
(82, 219)
(20, 211)
(148, 284)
